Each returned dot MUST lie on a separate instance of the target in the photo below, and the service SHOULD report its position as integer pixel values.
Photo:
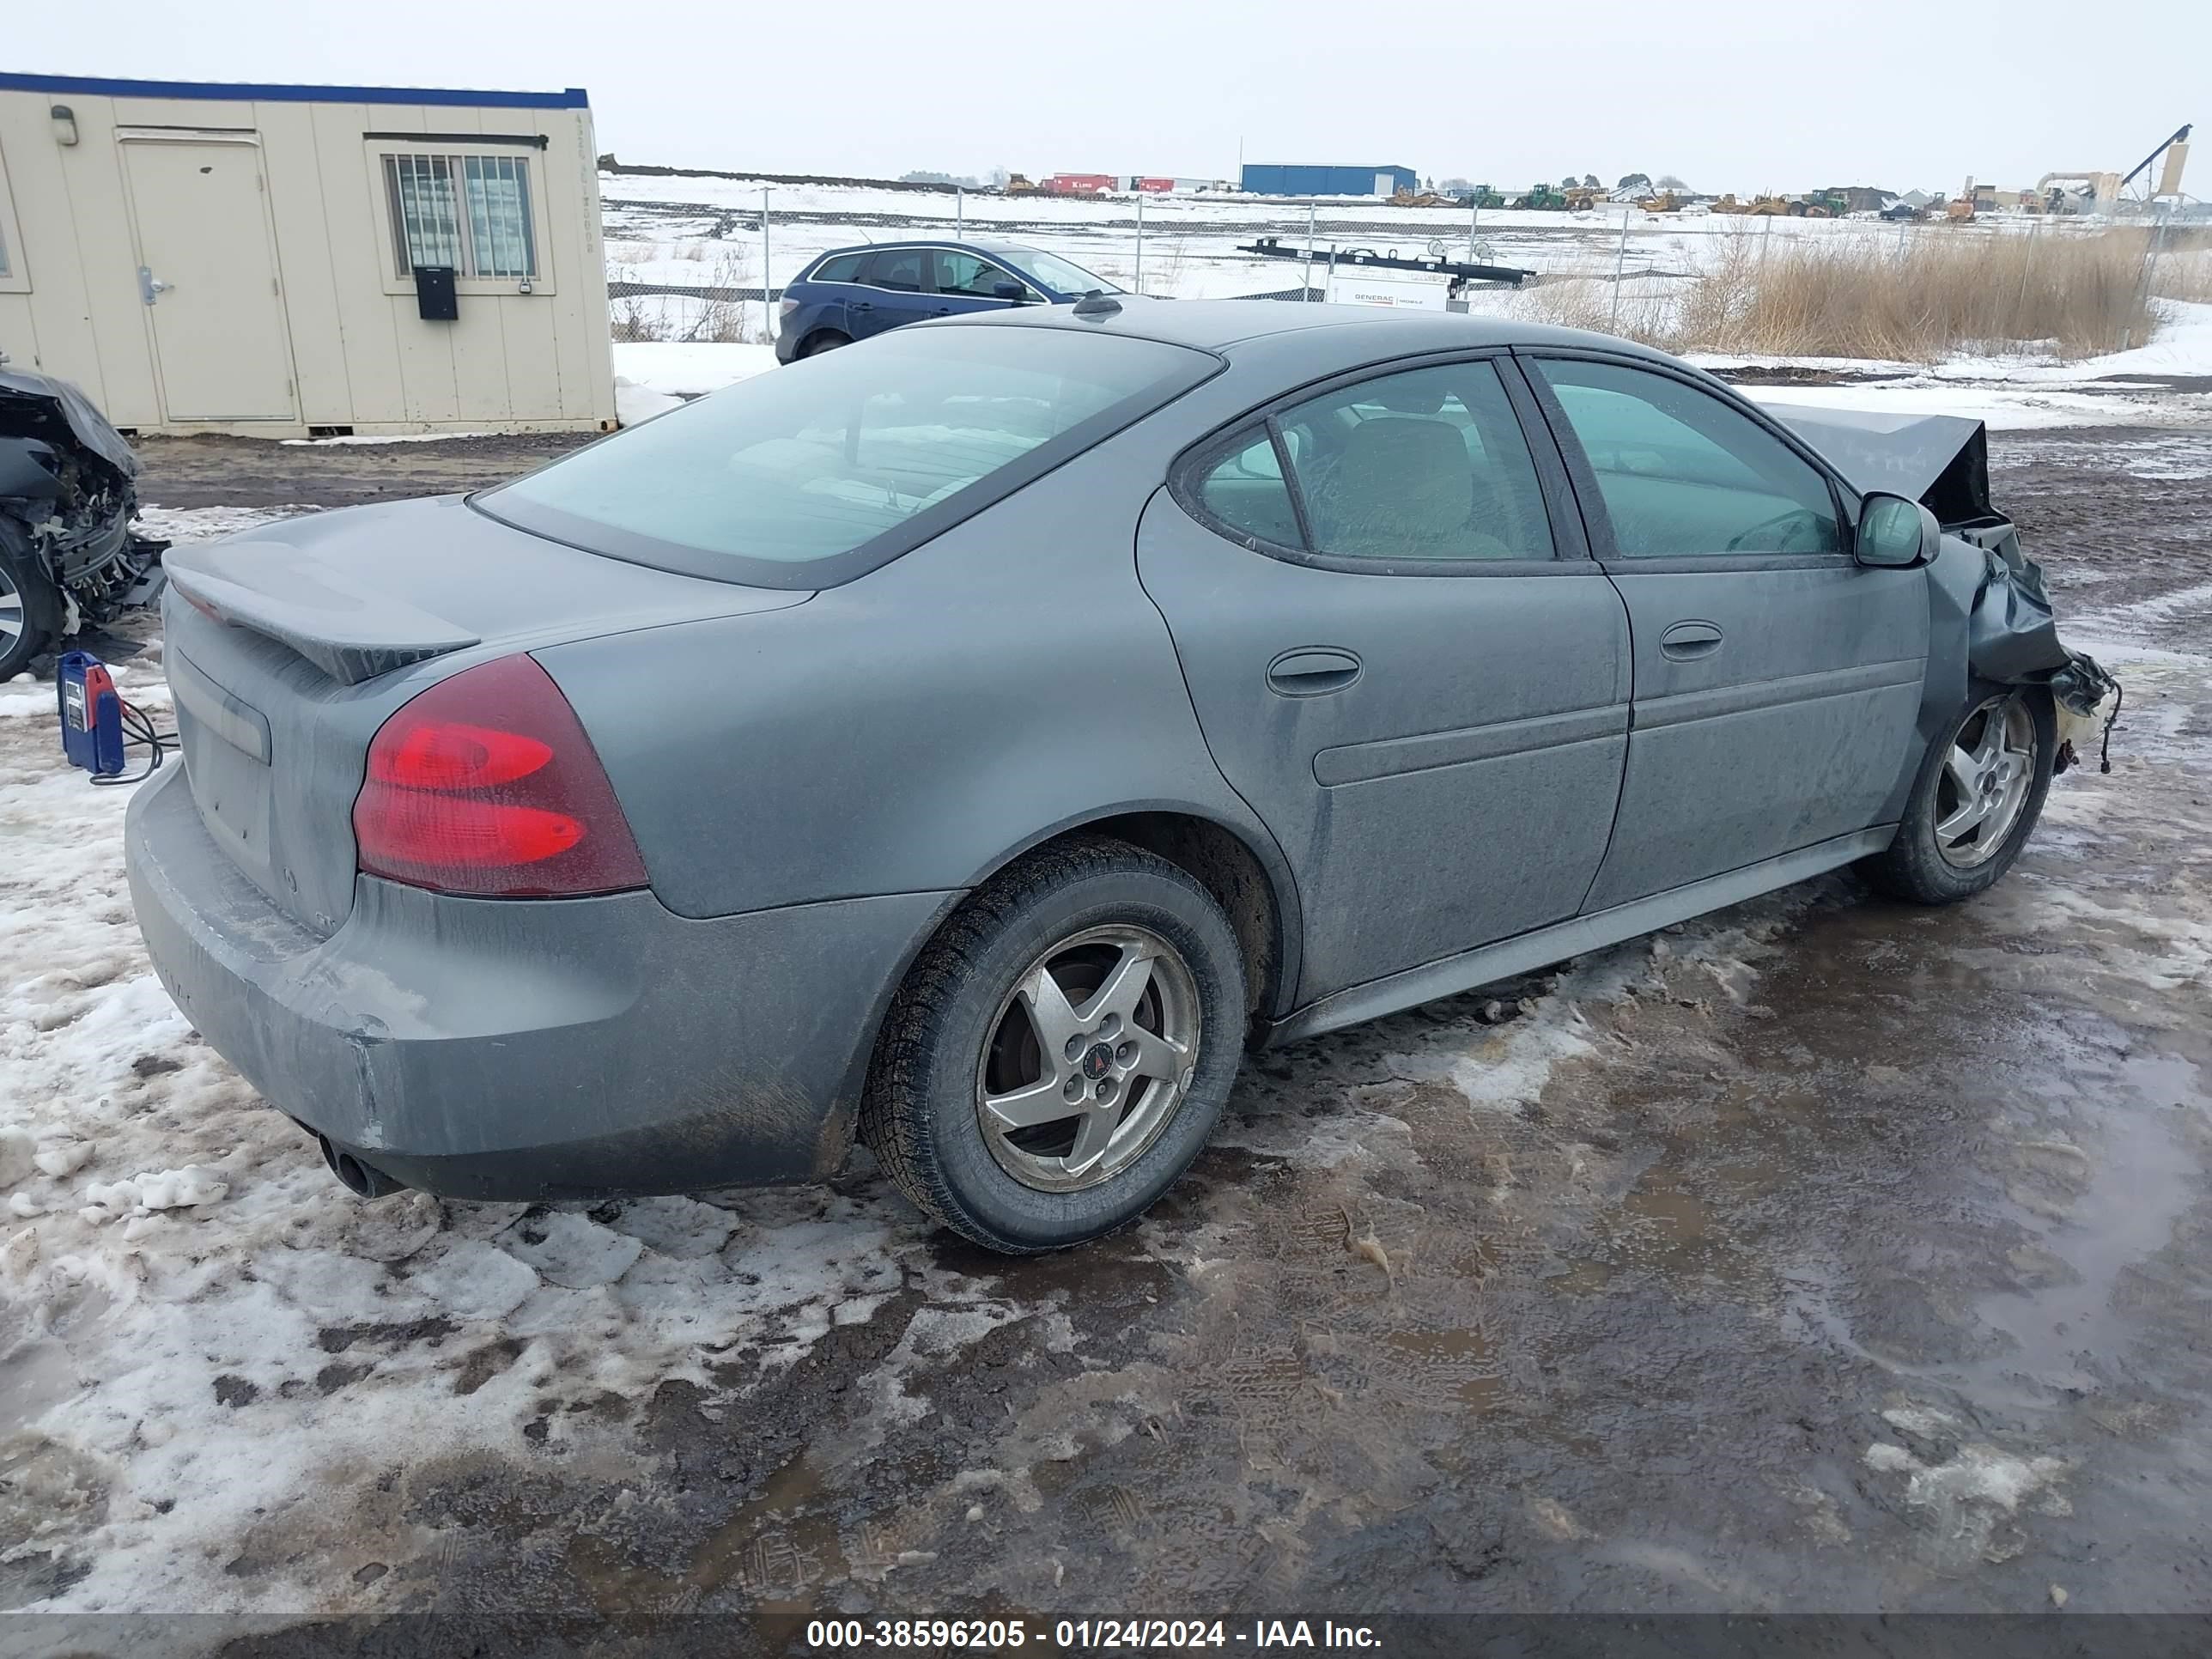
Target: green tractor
(1544, 198)
(1481, 196)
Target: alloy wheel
(1088, 1057)
(1986, 777)
(12, 621)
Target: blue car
(850, 293)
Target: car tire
(28, 605)
(1939, 857)
(970, 1025)
(828, 340)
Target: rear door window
(811, 474)
(898, 268)
(1424, 467)
(1427, 464)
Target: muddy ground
(1833, 1255)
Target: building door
(208, 276)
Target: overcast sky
(1732, 96)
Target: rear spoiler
(271, 588)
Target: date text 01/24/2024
(987, 1635)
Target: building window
(471, 212)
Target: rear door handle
(1687, 640)
(863, 305)
(1312, 671)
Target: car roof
(1350, 334)
(973, 245)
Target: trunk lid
(287, 647)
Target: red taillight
(486, 785)
(442, 755)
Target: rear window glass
(848, 458)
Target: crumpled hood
(38, 405)
(1941, 461)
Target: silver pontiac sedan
(974, 741)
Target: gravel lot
(1822, 1254)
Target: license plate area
(227, 750)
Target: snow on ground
(654, 376)
(2003, 408)
(2024, 392)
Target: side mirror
(1007, 290)
(1895, 533)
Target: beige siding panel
(478, 343)
(584, 335)
(99, 216)
(357, 251)
(531, 332)
(48, 328)
(595, 326)
(19, 332)
(299, 204)
(180, 113)
(426, 365)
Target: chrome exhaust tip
(356, 1178)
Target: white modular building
(287, 260)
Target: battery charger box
(91, 713)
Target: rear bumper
(527, 1049)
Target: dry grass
(632, 316)
(1941, 292)
(725, 321)
(2183, 270)
(1164, 274)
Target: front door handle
(1312, 671)
(1686, 641)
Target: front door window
(1682, 474)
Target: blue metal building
(1327, 181)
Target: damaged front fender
(1986, 596)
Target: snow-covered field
(681, 231)
(706, 232)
